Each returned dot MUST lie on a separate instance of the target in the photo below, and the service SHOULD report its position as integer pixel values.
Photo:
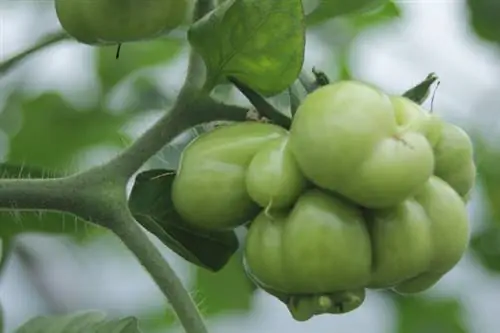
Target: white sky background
(433, 37)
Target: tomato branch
(49, 40)
(34, 194)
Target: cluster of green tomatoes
(364, 191)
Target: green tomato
(346, 138)
(119, 21)
(394, 171)
(209, 189)
(454, 159)
(449, 233)
(450, 223)
(273, 178)
(401, 243)
(320, 246)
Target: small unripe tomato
(273, 178)
(209, 189)
(346, 138)
(454, 159)
(320, 246)
(120, 21)
(402, 243)
(449, 233)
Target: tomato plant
(347, 189)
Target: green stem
(125, 227)
(191, 109)
(34, 194)
(48, 40)
(264, 108)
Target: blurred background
(71, 106)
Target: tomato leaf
(151, 204)
(260, 43)
(382, 14)
(483, 16)
(53, 132)
(226, 290)
(485, 246)
(329, 9)
(88, 321)
(421, 91)
(418, 314)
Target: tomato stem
(46, 41)
(264, 108)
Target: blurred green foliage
(90, 321)
(430, 315)
(48, 132)
(483, 16)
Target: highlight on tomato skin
(114, 22)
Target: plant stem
(162, 273)
(190, 110)
(46, 41)
(34, 194)
(264, 108)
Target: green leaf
(421, 91)
(80, 322)
(440, 315)
(485, 246)
(260, 43)
(133, 57)
(151, 204)
(228, 290)
(383, 14)
(488, 173)
(483, 16)
(485, 242)
(329, 9)
(53, 131)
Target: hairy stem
(34, 194)
(48, 40)
(125, 227)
